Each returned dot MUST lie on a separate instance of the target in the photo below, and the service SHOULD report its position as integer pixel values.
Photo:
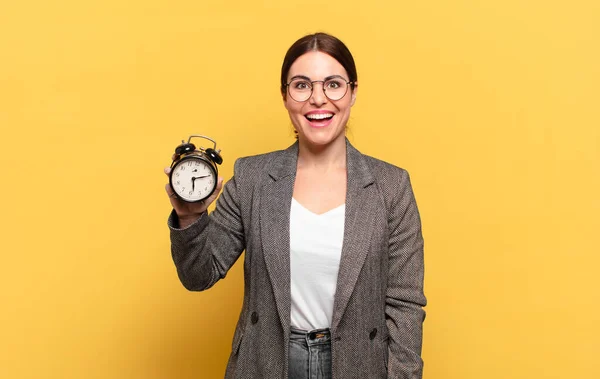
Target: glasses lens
(300, 89)
(335, 88)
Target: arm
(404, 297)
(205, 249)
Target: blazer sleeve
(204, 251)
(405, 298)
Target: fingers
(170, 191)
(218, 189)
(167, 170)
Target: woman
(333, 270)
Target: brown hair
(322, 42)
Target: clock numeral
(190, 163)
(182, 168)
(176, 174)
(182, 189)
(178, 182)
(191, 192)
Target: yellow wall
(493, 106)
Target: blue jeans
(310, 354)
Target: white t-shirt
(315, 252)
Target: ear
(354, 91)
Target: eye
(334, 84)
(300, 84)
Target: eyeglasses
(300, 88)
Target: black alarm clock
(194, 171)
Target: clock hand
(197, 177)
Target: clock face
(193, 179)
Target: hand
(190, 212)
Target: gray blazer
(377, 318)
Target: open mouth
(319, 117)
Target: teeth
(319, 116)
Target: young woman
(333, 270)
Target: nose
(318, 98)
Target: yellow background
(492, 106)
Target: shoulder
(255, 166)
(393, 182)
(257, 162)
(385, 173)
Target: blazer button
(254, 317)
(373, 333)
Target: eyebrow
(309, 79)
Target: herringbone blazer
(377, 318)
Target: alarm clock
(194, 171)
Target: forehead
(316, 65)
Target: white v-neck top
(315, 252)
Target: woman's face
(319, 120)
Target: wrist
(187, 220)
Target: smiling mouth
(319, 117)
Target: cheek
(295, 110)
(291, 106)
(345, 107)
(295, 114)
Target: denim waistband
(311, 337)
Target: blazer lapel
(276, 198)
(361, 207)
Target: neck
(331, 156)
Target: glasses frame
(312, 86)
